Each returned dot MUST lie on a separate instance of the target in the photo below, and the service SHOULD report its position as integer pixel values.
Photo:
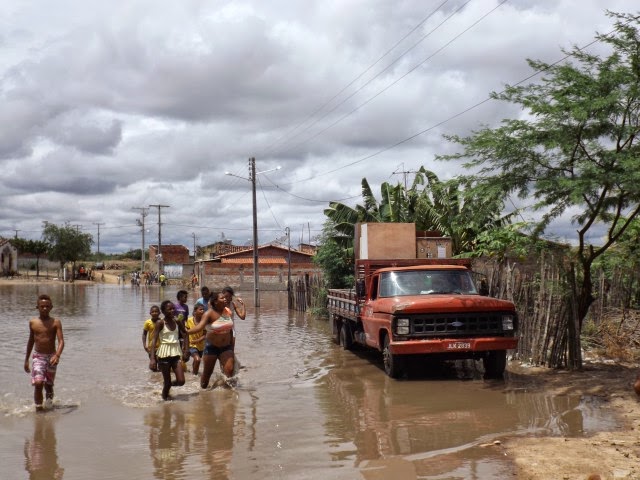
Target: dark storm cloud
(106, 106)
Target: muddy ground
(605, 455)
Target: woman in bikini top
(218, 327)
(216, 322)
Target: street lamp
(252, 179)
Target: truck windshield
(431, 282)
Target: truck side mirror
(360, 288)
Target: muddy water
(302, 408)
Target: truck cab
(410, 307)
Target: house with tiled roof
(275, 264)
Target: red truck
(410, 307)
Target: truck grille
(456, 324)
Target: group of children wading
(207, 337)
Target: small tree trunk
(574, 324)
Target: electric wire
(319, 109)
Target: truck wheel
(495, 363)
(346, 338)
(392, 363)
(336, 331)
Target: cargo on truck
(411, 300)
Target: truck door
(368, 320)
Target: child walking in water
(148, 329)
(43, 333)
(196, 340)
(168, 355)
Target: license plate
(459, 346)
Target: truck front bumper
(451, 345)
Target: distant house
(221, 248)
(236, 268)
(8, 257)
(171, 254)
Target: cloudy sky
(110, 107)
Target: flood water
(302, 409)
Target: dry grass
(617, 336)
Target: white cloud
(107, 106)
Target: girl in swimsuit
(218, 327)
(168, 355)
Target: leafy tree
(576, 150)
(67, 243)
(35, 247)
(454, 208)
(336, 262)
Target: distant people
(194, 280)
(148, 330)
(218, 327)
(204, 298)
(196, 340)
(169, 354)
(43, 333)
(162, 278)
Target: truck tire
(337, 327)
(346, 336)
(494, 364)
(393, 364)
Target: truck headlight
(507, 322)
(402, 326)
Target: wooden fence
(305, 291)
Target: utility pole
(289, 291)
(144, 212)
(404, 173)
(256, 277)
(160, 264)
(98, 224)
(16, 233)
(252, 179)
(193, 234)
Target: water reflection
(41, 451)
(167, 442)
(204, 428)
(437, 425)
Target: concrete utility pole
(193, 234)
(256, 276)
(144, 212)
(289, 290)
(160, 263)
(252, 179)
(98, 224)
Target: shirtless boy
(43, 332)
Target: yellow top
(150, 327)
(196, 340)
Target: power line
(415, 67)
(269, 148)
(428, 129)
